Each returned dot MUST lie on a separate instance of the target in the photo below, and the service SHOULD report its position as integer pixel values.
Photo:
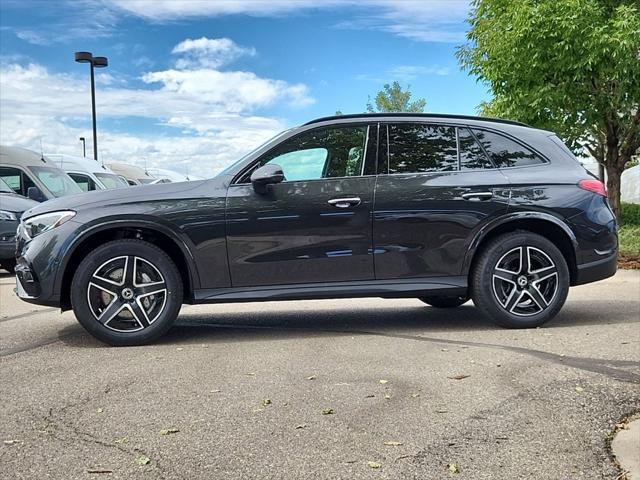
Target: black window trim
(368, 125)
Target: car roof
(21, 157)
(413, 116)
(72, 162)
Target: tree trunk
(613, 188)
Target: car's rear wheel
(126, 292)
(444, 301)
(520, 280)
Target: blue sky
(193, 84)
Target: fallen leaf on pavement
(327, 411)
(100, 410)
(387, 397)
(415, 395)
(442, 411)
(11, 442)
(143, 460)
(374, 464)
(122, 440)
(460, 376)
(393, 444)
(266, 402)
(168, 431)
(384, 381)
(312, 377)
(453, 468)
(302, 425)
(250, 374)
(579, 389)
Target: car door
(315, 226)
(435, 190)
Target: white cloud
(421, 20)
(209, 52)
(212, 112)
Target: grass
(629, 235)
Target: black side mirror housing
(265, 176)
(34, 193)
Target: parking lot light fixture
(94, 62)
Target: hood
(15, 203)
(123, 195)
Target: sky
(192, 85)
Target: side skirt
(405, 288)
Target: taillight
(595, 186)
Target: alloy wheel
(525, 281)
(127, 293)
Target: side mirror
(265, 176)
(34, 193)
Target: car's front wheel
(520, 280)
(126, 292)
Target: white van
(86, 172)
(133, 174)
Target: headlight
(41, 223)
(6, 215)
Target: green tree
(393, 99)
(570, 66)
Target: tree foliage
(392, 98)
(570, 66)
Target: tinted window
(472, 157)
(506, 152)
(111, 181)
(320, 153)
(83, 181)
(418, 148)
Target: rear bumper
(597, 270)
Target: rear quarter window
(505, 152)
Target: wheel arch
(548, 226)
(158, 235)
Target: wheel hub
(127, 293)
(522, 281)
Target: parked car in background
(11, 207)
(443, 208)
(171, 175)
(30, 175)
(630, 185)
(86, 172)
(133, 174)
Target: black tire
(515, 294)
(444, 302)
(148, 290)
(9, 265)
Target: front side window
(83, 181)
(16, 179)
(320, 153)
(56, 181)
(421, 148)
(506, 152)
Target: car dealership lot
(365, 388)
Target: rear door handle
(345, 202)
(477, 196)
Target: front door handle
(345, 202)
(477, 196)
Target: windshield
(56, 181)
(109, 180)
(246, 155)
(4, 188)
(146, 180)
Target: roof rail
(421, 115)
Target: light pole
(94, 62)
(84, 147)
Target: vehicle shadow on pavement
(283, 323)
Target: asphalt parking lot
(370, 388)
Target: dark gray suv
(442, 208)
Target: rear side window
(506, 152)
(83, 181)
(420, 148)
(472, 157)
